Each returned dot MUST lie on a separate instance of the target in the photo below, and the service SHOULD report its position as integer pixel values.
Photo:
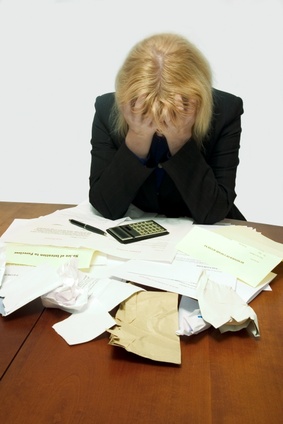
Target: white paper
(84, 326)
(223, 308)
(72, 293)
(2, 261)
(55, 229)
(248, 293)
(33, 283)
(181, 276)
(190, 318)
(88, 324)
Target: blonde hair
(159, 68)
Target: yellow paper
(34, 255)
(247, 263)
(250, 236)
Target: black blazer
(198, 183)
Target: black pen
(88, 227)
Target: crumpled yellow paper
(146, 325)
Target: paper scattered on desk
(29, 286)
(223, 308)
(94, 319)
(56, 230)
(251, 237)
(181, 276)
(146, 325)
(190, 318)
(248, 293)
(73, 290)
(81, 327)
(178, 277)
(2, 261)
(34, 255)
(247, 263)
(235, 260)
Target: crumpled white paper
(72, 293)
(190, 318)
(223, 308)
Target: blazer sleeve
(112, 189)
(206, 179)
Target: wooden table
(15, 328)
(224, 378)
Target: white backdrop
(57, 56)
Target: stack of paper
(250, 263)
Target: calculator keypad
(147, 227)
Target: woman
(166, 141)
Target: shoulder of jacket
(223, 99)
(105, 100)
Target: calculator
(137, 231)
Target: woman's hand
(141, 129)
(178, 135)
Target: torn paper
(94, 319)
(81, 327)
